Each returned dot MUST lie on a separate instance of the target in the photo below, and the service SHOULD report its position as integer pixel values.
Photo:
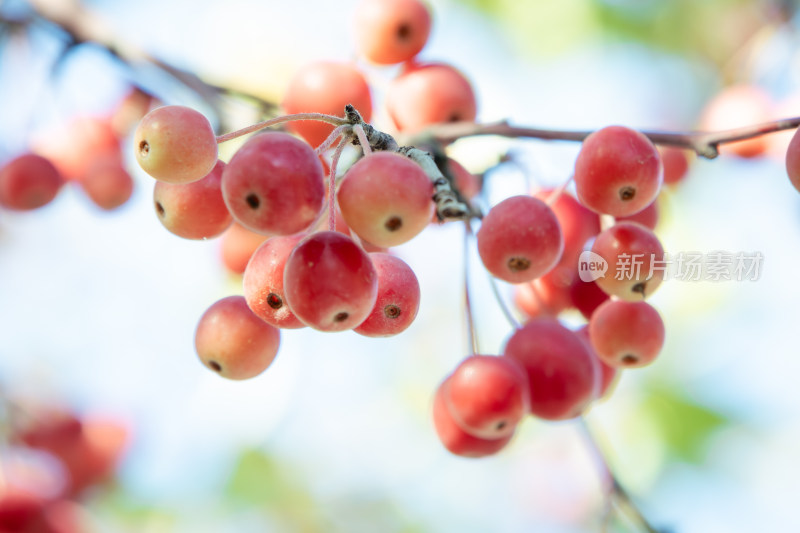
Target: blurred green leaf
(712, 29)
(686, 426)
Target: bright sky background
(101, 307)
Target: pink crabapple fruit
(233, 342)
(487, 395)
(175, 144)
(329, 282)
(397, 302)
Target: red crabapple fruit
(72, 146)
(608, 374)
(578, 224)
(520, 239)
(793, 160)
(487, 395)
(325, 87)
(274, 184)
(562, 375)
(193, 210)
(676, 164)
(647, 217)
(385, 198)
(237, 247)
(547, 295)
(391, 31)
(454, 438)
(618, 171)
(28, 181)
(626, 334)
(467, 183)
(427, 94)
(586, 296)
(635, 260)
(233, 342)
(107, 183)
(398, 298)
(329, 282)
(263, 281)
(175, 144)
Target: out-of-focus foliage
(685, 426)
(709, 29)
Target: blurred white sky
(101, 307)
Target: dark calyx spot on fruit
(639, 288)
(455, 116)
(392, 311)
(216, 367)
(341, 317)
(144, 148)
(160, 210)
(252, 200)
(274, 301)
(627, 193)
(630, 359)
(403, 32)
(500, 425)
(518, 264)
(394, 224)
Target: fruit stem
(332, 184)
(362, 139)
(321, 117)
(502, 303)
(614, 490)
(472, 336)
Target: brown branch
(705, 144)
(84, 26)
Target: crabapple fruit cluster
(314, 247)
(84, 152)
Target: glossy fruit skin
(397, 302)
(676, 164)
(274, 184)
(329, 282)
(488, 395)
(609, 375)
(793, 160)
(626, 334)
(233, 342)
(586, 296)
(193, 210)
(391, 31)
(107, 183)
(427, 94)
(647, 217)
(618, 171)
(454, 438)
(237, 247)
(468, 184)
(562, 375)
(520, 239)
(547, 295)
(175, 144)
(385, 198)
(620, 245)
(263, 281)
(28, 182)
(578, 224)
(325, 87)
